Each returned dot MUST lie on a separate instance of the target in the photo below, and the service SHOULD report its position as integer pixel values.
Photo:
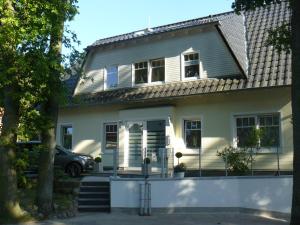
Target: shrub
(180, 168)
(178, 155)
(147, 160)
(98, 159)
(238, 160)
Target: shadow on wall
(90, 147)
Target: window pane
(238, 122)
(243, 135)
(192, 71)
(111, 136)
(193, 138)
(269, 137)
(141, 76)
(66, 137)
(158, 74)
(112, 77)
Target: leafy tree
(27, 62)
(286, 37)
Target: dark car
(73, 163)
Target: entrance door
(135, 144)
(156, 139)
(145, 139)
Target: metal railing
(206, 162)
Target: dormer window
(191, 65)
(157, 70)
(111, 80)
(141, 72)
(152, 71)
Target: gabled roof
(245, 35)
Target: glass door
(156, 139)
(135, 144)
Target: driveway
(165, 219)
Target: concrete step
(94, 195)
(93, 201)
(93, 189)
(94, 208)
(94, 183)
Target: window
(66, 136)
(141, 73)
(191, 65)
(157, 70)
(111, 77)
(268, 124)
(192, 133)
(111, 136)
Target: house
(192, 86)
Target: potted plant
(146, 167)
(98, 165)
(180, 168)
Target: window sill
(149, 84)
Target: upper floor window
(191, 65)
(268, 124)
(66, 136)
(149, 71)
(111, 80)
(157, 70)
(141, 72)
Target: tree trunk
(295, 216)
(50, 109)
(9, 204)
(46, 162)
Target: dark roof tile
(267, 68)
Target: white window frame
(61, 134)
(106, 76)
(149, 72)
(151, 68)
(109, 150)
(256, 115)
(183, 65)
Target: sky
(105, 18)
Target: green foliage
(280, 37)
(180, 168)
(178, 155)
(147, 160)
(98, 159)
(25, 59)
(237, 160)
(26, 160)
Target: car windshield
(61, 151)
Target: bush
(238, 160)
(98, 159)
(147, 160)
(180, 168)
(178, 155)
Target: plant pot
(98, 167)
(178, 175)
(146, 169)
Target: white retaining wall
(259, 193)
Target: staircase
(94, 196)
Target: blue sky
(105, 18)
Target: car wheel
(73, 170)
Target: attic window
(191, 65)
(141, 72)
(157, 70)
